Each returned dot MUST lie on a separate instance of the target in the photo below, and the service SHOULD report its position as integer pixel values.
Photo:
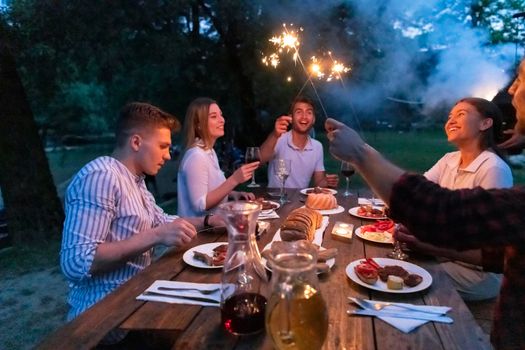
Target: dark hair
(487, 109)
(139, 115)
(302, 99)
(196, 122)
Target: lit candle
(341, 231)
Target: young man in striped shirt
(112, 221)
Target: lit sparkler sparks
(272, 60)
(327, 69)
(288, 40)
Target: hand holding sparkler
(281, 125)
(345, 143)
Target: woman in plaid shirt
(459, 219)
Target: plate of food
(378, 232)
(389, 275)
(268, 206)
(325, 258)
(207, 256)
(368, 212)
(318, 190)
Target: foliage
(81, 61)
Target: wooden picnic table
(197, 327)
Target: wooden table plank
(344, 331)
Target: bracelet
(206, 220)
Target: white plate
(366, 237)
(353, 211)
(332, 191)
(203, 248)
(337, 210)
(270, 210)
(329, 262)
(381, 286)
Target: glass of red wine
(253, 154)
(347, 170)
(243, 280)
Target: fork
(202, 291)
(379, 305)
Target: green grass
(64, 163)
(414, 151)
(24, 259)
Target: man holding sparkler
(305, 153)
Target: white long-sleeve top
(199, 173)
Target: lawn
(415, 151)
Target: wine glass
(253, 154)
(397, 253)
(282, 170)
(347, 170)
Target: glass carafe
(244, 279)
(296, 315)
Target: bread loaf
(301, 224)
(321, 201)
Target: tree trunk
(33, 209)
(247, 131)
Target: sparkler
(328, 70)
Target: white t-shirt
(304, 162)
(199, 173)
(487, 171)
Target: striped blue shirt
(105, 202)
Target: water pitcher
(244, 279)
(296, 315)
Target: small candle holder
(342, 231)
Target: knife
(409, 314)
(189, 297)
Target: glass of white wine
(282, 170)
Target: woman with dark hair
(201, 184)
(473, 126)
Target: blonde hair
(196, 122)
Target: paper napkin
(176, 296)
(374, 201)
(407, 325)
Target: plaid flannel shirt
(473, 218)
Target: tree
(33, 209)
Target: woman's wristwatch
(206, 220)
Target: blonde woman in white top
(472, 126)
(201, 184)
